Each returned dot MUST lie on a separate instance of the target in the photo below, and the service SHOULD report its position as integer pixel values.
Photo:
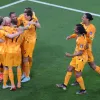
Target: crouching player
(79, 58)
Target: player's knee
(78, 74)
(70, 68)
(30, 59)
(5, 68)
(19, 67)
(26, 59)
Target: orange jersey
(90, 34)
(3, 44)
(13, 45)
(81, 42)
(21, 19)
(30, 33)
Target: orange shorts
(78, 63)
(90, 56)
(2, 58)
(13, 59)
(28, 48)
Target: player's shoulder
(21, 15)
(2, 32)
(81, 38)
(92, 26)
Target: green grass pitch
(49, 61)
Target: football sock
(30, 63)
(26, 64)
(19, 73)
(11, 77)
(67, 78)
(97, 69)
(5, 77)
(81, 82)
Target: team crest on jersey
(81, 46)
(90, 33)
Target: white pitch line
(62, 7)
(8, 5)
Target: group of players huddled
(84, 35)
(17, 42)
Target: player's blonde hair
(6, 18)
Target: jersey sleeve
(92, 33)
(73, 35)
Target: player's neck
(87, 23)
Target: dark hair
(27, 9)
(89, 16)
(81, 29)
(11, 13)
(1, 20)
(29, 13)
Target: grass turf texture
(49, 64)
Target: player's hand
(68, 54)
(31, 22)
(1, 41)
(68, 37)
(20, 29)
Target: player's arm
(1, 40)
(36, 23)
(1, 27)
(81, 46)
(71, 36)
(14, 35)
(75, 54)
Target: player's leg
(5, 78)
(1, 72)
(92, 63)
(80, 80)
(68, 74)
(30, 63)
(80, 63)
(67, 78)
(31, 53)
(11, 77)
(26, 65)
(19, 73)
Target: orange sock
(5, 77)
(97, 69)
(67, 78)
(26, 64)
(30, 62)
(81, 82)
(11, 77)
(19, 73)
